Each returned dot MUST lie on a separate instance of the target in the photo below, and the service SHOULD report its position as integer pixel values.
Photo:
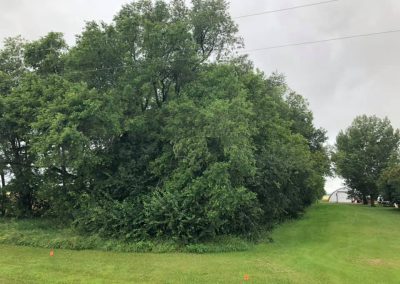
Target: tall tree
(363, 151)
(16, 112)
(20, 109)
(148, 127)
(71, 131)
(20, 97)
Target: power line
(265, 48)
(284, 9)
(320, 41)
(245, 16)
(257, 49)
(96, 70)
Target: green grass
(44, 233)
(331, 244)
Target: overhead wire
(251, 15)
(265, 48)
(321, 41)
(242, 51)
(285, 9)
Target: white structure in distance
(340, 195)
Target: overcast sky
(340, 79)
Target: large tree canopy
(151, 127)
(363, 151)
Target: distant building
(340, 195)
(325, 198)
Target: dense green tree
(96, 59)
(150, 127)
(16, 111)
(71, 132)
(363, 151)
(302, 123)
(389, 184)
(45, 55)
(20, 97)
(20, 110)
(12, 65)
(213, 29)
(287, 179)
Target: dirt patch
(376, 262)
(379, 262)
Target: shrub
(207, 207)
(112, 218)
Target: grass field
(331, 244)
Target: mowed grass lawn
(330, 244)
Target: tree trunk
(372, 201)
(2, 194)
(3, 180)
(63, 168)
(365, 200)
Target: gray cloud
(340, 79)
(33, 19)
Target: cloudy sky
(340, 79)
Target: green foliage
(45, 54)
(215, 34)
(12, 65)
(363, 151)
(150, 128)
(20, 108)
(113, 219)
(70, 135)
(208, 206)
(96, 59)
(389, 184)
(50, 233)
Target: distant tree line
(367, 157)
(151, 127)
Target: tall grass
(46, 233)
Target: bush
(205, 208)
(112, 219)
(48, 233)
